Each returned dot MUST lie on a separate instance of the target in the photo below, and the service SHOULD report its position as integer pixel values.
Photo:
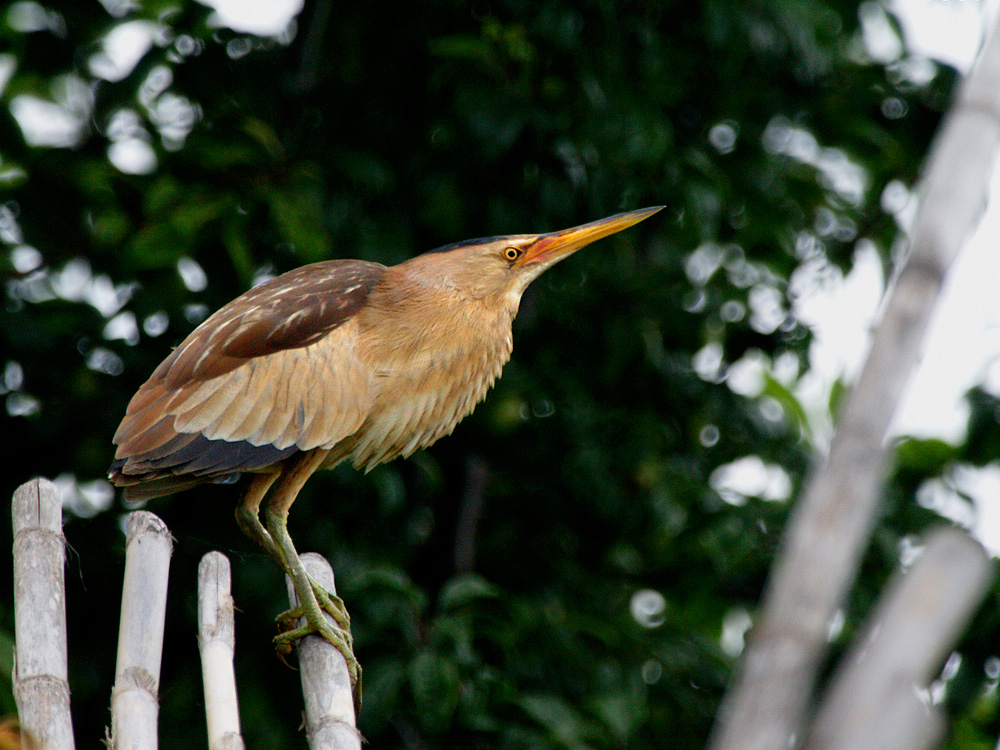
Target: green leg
(313, 598)
(248, 520)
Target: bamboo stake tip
(141, 522)
(215, 567)
(37, 503)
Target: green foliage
(493, 579)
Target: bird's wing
(273, 372)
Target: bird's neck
(432, 353)
(421, 315)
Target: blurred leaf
(390, 580)
(466, 590)
(791, 405)
(190, 217)
(238, 246)
(298, 219)
(564, 724)
(155, 246)
(927, 456)
(110, 227)
(435, 685)
(838, 391)
(262, 133)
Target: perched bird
(342, 359)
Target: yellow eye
(511, 254)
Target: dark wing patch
(206, 457)
(198, 455)
(193, 460)
(293, 310)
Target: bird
(340, 360)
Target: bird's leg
(247, 517)
(311, 595)
(248, 520)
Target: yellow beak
(555, 246)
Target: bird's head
(502, 267)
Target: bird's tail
(142, 487)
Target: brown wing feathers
(293, 310)
(269, 374)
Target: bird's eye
(511, 254)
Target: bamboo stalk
(217, 642)
(41, 687)
(326, 683)
(766, 707)
(879, 696)
(134, 699)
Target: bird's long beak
(555, 246)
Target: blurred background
(578, 565)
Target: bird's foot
(338, 633)
(328, 602)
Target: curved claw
(283, 649)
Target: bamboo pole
(134, 699)
(41, 687)
(827, 534)
(217, 642)
(879, 696)
(326, 683)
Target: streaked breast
(424, 385)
